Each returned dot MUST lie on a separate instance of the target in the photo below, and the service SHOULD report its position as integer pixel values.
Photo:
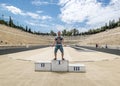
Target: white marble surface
(77, 68)
(60, 65)
(43, 66)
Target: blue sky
(46, 15)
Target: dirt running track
(17, 69)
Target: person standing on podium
(58, 43)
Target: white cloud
(83, 29)
(30, 23)
(33, 15)
(94, 12)
(36, 23)
(59, 27)
(38, 2)
(17, 11)
(63, 2)
(12, 9)
(43, 25)
(45, 17)
(42, 2)
(39, 11)
(114, 1)
(37, 16)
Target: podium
(59, 66)
(77, 68)
(43, 66)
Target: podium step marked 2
(59, 66)
(43, 66)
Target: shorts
(60, 47)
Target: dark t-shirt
(58, 39)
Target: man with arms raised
(58, 45)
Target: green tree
(52, 33)
(106, 26)
(118, 24)
(75, 32)
(26, 29)
(2, 21)
(110, 24)
(11, 24)
(64, 32)
(69, 33)
(29, 30)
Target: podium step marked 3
(59, 66)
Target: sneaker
(63, 59)
(54, 58)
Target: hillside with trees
(108, 37)
(11, 23)
(12, 34)
(73, 32)
(14, 37)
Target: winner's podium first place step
(59, 66)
